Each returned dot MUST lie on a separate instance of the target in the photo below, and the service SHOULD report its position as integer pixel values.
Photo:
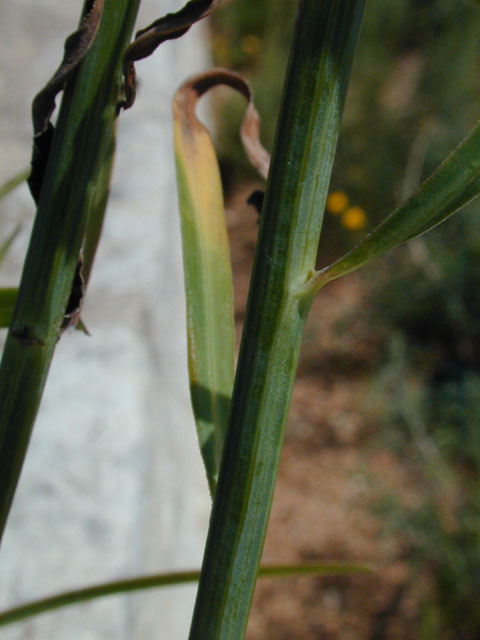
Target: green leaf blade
(208, 280)
(155, 581)
(206, 258)
(455, 183)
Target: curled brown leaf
(190, 92)
(76, 47)
(169, 27)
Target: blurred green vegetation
(415, 93)
(413, 96)
(426, 396)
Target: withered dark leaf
(169, 27)
(76, 47)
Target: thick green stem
(314, 93)
(83, 135)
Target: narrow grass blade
(5, 246)
(317, 78)
(455, 183)
(83, 132)
(8, 297)
(13, 182)
(206, 260)
(78, 596)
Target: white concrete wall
(113, 484)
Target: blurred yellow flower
(337, 202)
(354, 218)
(251, 44)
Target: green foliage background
(413, 95)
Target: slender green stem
(83, 134)
(77, 596)
(317, 78)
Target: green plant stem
(77, 596)
(317, 77)
(97, 214)
(83, 134)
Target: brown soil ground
(329, 471)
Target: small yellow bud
(337, 202)
(354, 218)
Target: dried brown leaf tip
(171, 26)
(189, 93)
(76, 47)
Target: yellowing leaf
(206, 259)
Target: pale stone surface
(113, 484)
